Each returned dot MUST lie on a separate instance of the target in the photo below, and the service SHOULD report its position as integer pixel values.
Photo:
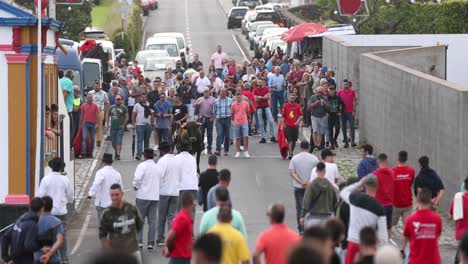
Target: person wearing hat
(331, 169)
(59, 188)
(146, 184)
(365, 210)
(300, 168)
(103, 180)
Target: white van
(168, 44)
(180, 40)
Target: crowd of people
(338, 220)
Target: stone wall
(403, 108)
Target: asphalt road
(256, 183)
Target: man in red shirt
(422, 230)
(179, 240)
(296, 75)
(241, 117)
(276, 241)
(402, 195)
(459, 212)
(262, 98)
(348, 96)
(384, 194)
(292, 115)
(89, 118)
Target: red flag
(282, 144)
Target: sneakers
(263, 141)
(237, 155)
(160, 243)
(98, 143)
(137, 158)
(353, 145)
(210, 152)
(346, 145)
(217, 153)
(150, 247)
(140, 245)
(273, 140)
(155, 147)
(246, 154)
(242, 148)
(117, 157)
(290, 156)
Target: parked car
(180, 40)
(168, 44)
(275, 42)
(268, 33)
(235, 16)
(246, 20)
(273, 16)
(143, 55)
(264, 8)
(254, 26)
(249, 3)
(259, 33)
(156, 67)
(93, 33)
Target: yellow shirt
(235, 249)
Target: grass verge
(106, 16)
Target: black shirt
(336, 104)
(208, 179)
(153, 97)
(196, 64)
(187, 96)
(179, 111)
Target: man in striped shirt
(365, 210)
(222, 112)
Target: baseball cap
(326, 152)
(371, 181)
(304, 144)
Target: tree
(76, 19)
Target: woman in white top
(250, 74)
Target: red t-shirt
(249, 95)
(295, 76)
(291, 112)
(348, 99)
(276, 242)
(385, 189)
(461, 226)
(402, 195)
(231, 73)
(262, 92)
(182, 226)
(423, 229)
(89, 112)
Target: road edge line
(82, 233)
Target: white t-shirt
(202, 83)
(140, 115)
(331, 173)
(303, 163)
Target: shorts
(318, 124)
(292, 133)
(402, 212)
(388, 210)
(241, 130)
(116, 136)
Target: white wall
(4, 130)
(457, 53)
(7, 35)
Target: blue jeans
(270, 121)
(179, 261)
(345, 119)
(166, 213)
(207, 125)
(148, 209)
(276, 96)
(223, 129)
(219, 73)
(88, 128)
(164, 135)
(143, 134)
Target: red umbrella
(350, 7)
(299, 32)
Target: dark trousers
(223, 129)
(164, 135)
(276, 97)
(333, 127)
(299, 197)
(347, 118)
(63, 251)
(207, 125)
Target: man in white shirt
(202, 82)
(187, 171)
(59, 188)
(217, 83)
(105, 177)
(141, 121)
(168, 190)
(146, 184)
(217, 59)
(331, 169)
(300, 168)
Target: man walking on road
(222, 112)
(179, 239)
(241, 118)
(141, 118)
(117, 116)
(146, 184)
(101, 99)
(120, 225)
(276, 83)
(262, 98)
(300, 168)
(60, 189)
(385, 191)
(163, 114)
(204, 106)
(217, 59)
(208, 179)
(331, 169)
(428, 178)
(334, 113)
(368, 163)
(89, 118)
(318, 107)
(276, 241)
(224, 181)
(168, 190)
(187, 171)
(103, 180)
(292, 115)
(348, 96)
(402, 195)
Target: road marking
(82, 233)
(238, 46)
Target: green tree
(76, 19)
